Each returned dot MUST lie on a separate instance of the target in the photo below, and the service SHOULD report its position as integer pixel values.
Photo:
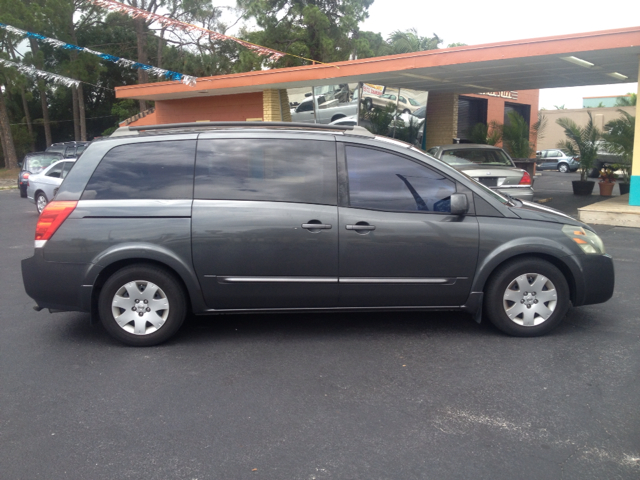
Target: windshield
(480, 156)
(37, 163)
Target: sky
(474, 23)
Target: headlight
(588, 241)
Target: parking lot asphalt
(322, 396)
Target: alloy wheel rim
(41, 202)
(530, 299)
(140, 307)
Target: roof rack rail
(346, 129)
(243, 124)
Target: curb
(9, 187)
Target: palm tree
(581, 141)
(628, 100)
(516, 134)
(618, 137)
(409, 41)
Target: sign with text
(370, 89)
(510, 95)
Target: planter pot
(624, 188)
(581, 187)
(606, 188)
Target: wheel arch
(111, 262)
(338, 116)
(487, 270)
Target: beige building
(553, 133)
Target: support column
(634, 192)
(441, 119)
(275, 106)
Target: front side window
(141, 171)
(301, 171)
(413, 102)
(66, 167)
(305, 107)
(383, 181)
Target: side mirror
(459, 204)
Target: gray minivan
(239, 217)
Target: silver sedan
(488, 165)
(43, 186)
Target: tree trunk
(76, 118)
(25, 107)
(27, 116)
(81, 110)
(79, 92)
(10, 157)
(142, 57)
(43, 93)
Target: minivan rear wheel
(527, 297)
(142, 305)
(563, 168)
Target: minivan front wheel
(142, 305)
(527, 297)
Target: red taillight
(25, 175)
(526, 179)
(52, 217)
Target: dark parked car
(68, 149)
(489, 165)
(257, 217)
(556, 159)
(34, 163)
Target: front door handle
(359, 227)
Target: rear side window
(384, 181)
(301, 171)
(140, 171)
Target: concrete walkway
(613, 211)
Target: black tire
(368, 104)
(406, 110)
(23, 192)
(563, 168)
(41, 201)
(541, 315)
(146, 314)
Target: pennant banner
(34, 72)
(123, 62)
(187, 27)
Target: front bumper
(595, 279)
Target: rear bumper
(525, 193)
(56, 285)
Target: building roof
(592, 58)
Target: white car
(43, 186)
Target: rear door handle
(316, 226)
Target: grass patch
(9, 173)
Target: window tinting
(384, 181)
(301, 171)
(154, 170)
